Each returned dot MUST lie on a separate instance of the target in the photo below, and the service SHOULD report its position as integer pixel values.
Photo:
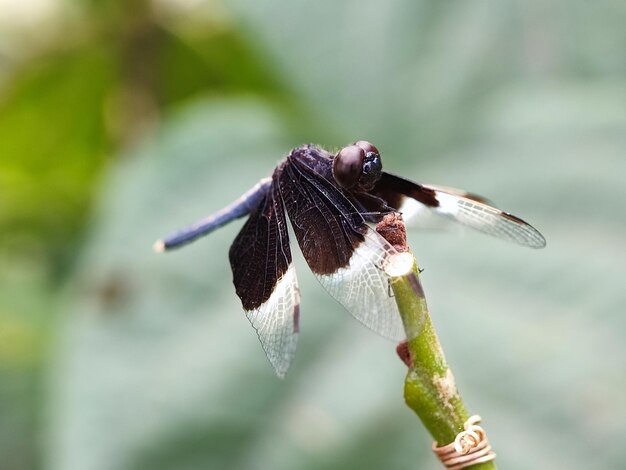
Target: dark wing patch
(327, 232)
(265, 280)
(394, 190)
(260, 254)
(344, 253)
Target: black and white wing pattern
(415, 200)
(265, 279)
(344, 253)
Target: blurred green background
(123, 120)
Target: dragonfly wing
(418, 201)
(345, 254)
(265, 280)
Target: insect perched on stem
(329, 200)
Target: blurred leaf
(52, 141)
(25, 331)
(221, 60)
(413, 76)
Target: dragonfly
(331, 202)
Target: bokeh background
(122, 120)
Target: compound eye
(348, 166)
(372, 171)
(367, 147)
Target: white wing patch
(276, 322)
(363, 288)
(416, 214)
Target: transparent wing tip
(539, 240)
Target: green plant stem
(429, 388)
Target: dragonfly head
(358, 166)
